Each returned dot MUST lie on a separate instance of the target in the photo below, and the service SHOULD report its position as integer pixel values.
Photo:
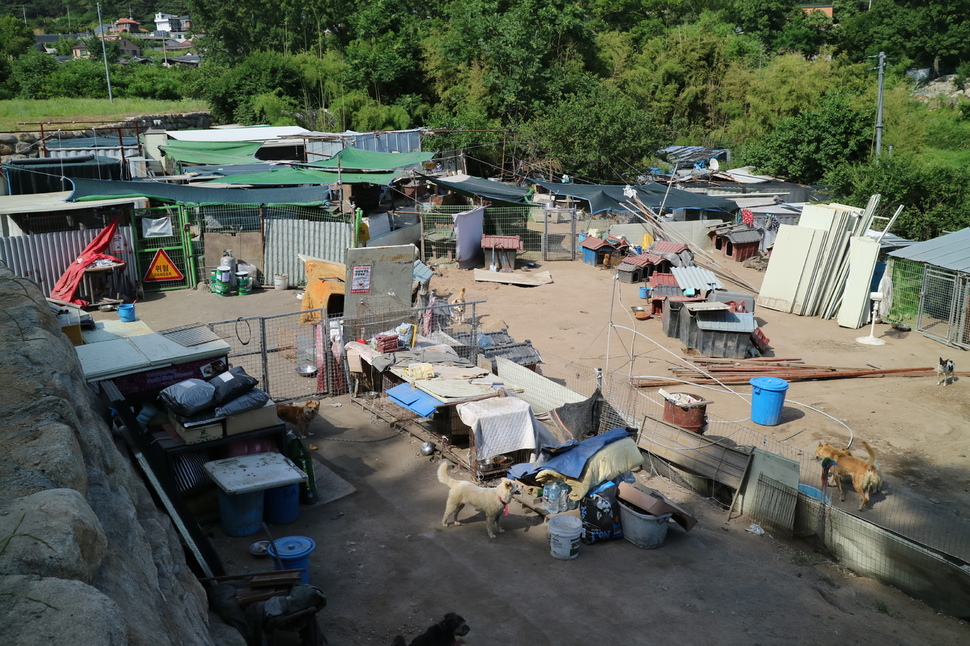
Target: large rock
(51, 533)
(75, 496)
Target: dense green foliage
(592, 88)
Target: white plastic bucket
(281, 281)
(564, 533)
(225, 273)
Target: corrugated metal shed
(951, 251)
(286, 238)
(662, 278)
(44, 257)
(696, 278)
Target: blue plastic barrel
(281, 505)
(644, 291)
(767, 400)
(294, 553)
(241, 514)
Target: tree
(936, 198)
(231, 93)
(804, 147)
(30, 72)
(600, 135)
(15, 37)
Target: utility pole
(104, 52)
(882, 81)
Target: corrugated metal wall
(396, 141)
(285, 239)
(43, 257)
(114, 152)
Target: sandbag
(232, 384)
(190, 397)
(252, 400)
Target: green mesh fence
(907, 277)
(164, 262)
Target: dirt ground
(388, 567)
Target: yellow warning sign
(162, 268)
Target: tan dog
(299, 415)
(458, 306)
(493, 501)
(865, 475)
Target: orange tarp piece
(324, 288)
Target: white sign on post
(360, 279)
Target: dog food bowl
(306, 370)
(259, 548)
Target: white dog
(493, 501)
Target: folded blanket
(609, 462)
(570, 462)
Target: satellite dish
(715, 165)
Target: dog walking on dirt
(492, 501)
(866, 479)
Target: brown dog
(493, 501)
(299, 415)
(865, 475)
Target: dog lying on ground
(447, 632)
(944, 371)
(493, 501)
(865, 475)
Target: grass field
(20, 115)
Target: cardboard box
(253, 419)
(199, 432)
(654, 503)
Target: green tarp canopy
(212, 152)
(288, 175)
(357, 159)
(92, 189)
(610, 197)
(481, 187)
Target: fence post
(264, 360)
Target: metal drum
(221, 281)
(243, 284)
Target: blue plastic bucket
(126, 313)
(241, 514)
(281, 505)
(767, 400)
(644, 291)
(294, 553)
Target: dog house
(738, 242)
(638, 268)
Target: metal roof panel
(696, 278)
(725, 321)
(951, 251)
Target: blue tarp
(414, 400)
(570, 463)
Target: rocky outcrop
(85, 556)
(21, 145)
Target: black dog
(447, 632)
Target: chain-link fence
(546, 234)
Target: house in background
(80, 51)
(174, 27)
(126, 26)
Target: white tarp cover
(468, 237)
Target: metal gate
(177, 246)
(291, 354)
(937, 303)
